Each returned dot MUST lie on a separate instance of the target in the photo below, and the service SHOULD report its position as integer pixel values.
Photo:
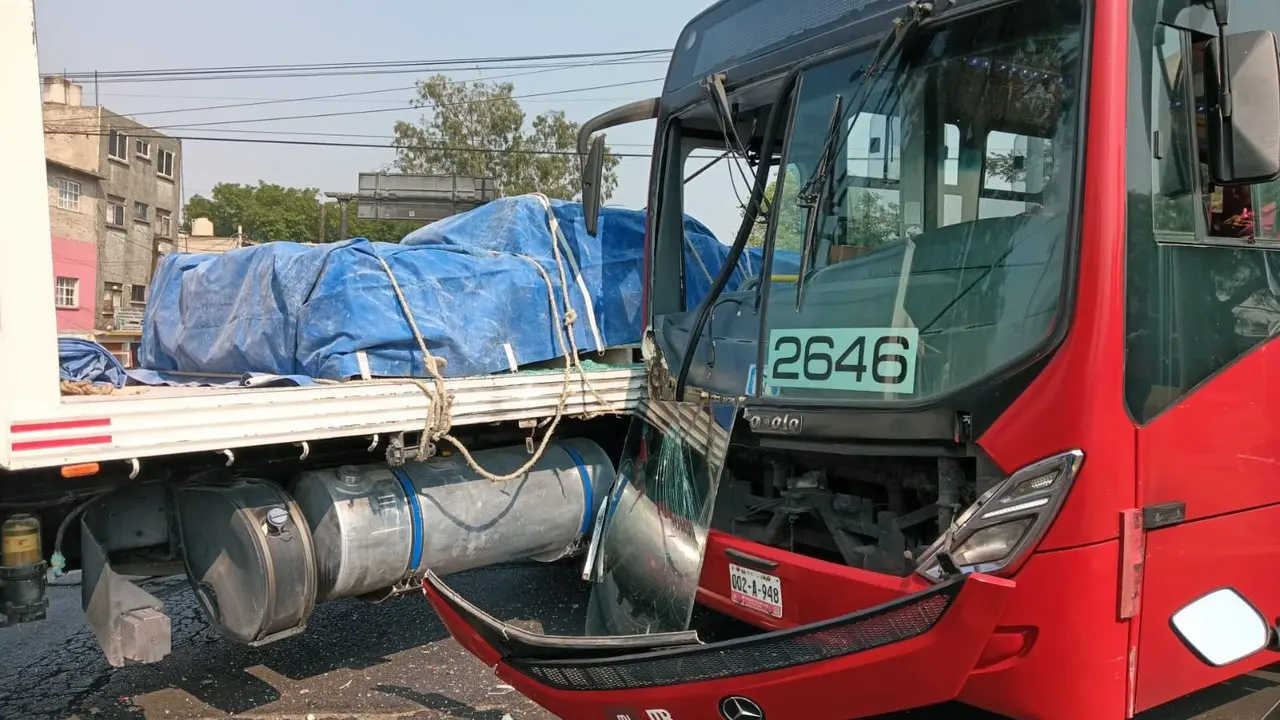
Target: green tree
(268, 213)
(478, 129)
(873, 221)
(264, 212)
(790, 235)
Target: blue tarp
(290, 309)
(87, 361)
(250, 379)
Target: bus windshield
(936, 232)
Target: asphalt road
(360, 661)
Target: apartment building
(127, 179)
(75, 212)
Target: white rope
(439, 422)
(557, 239)
(570, 315)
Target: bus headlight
(996, 532)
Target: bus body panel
(812, 589)
(1186, 561)
(1233, 463)
(1217, 451)
(923, 670)
(1077, 402)
(1070, 661)
(1058, 635)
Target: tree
(267, 213)
(790, 235)
(264, 212)
(873, 221)
(478, 129)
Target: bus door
(1202, 375)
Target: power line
(331, 74)
(379, 63)
(376, 146)
(275, 101)
(312, 116)
(388, 138)
(227, 72)
(374, 111)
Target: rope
(439, 422)
(84, 387)
(570, 315)
(556, 239)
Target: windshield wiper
(814, 192)
(713, 86)
(904, 27)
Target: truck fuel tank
(372, 525)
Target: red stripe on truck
(59, 425)
(61, 442)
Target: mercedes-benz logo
(736, 707)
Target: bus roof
(731, 33)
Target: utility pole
(155, 252)
(322, 204)
(344, 199)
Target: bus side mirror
(1244, 146)
(1222, 628)
(592, 176)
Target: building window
(138, 294)
(164, 164)
(69, 195)
(112, 297)
(142, 148)
(115, 211)
(164, 223)
(141, 212)
(118, 146)
(67, 293)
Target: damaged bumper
(912, 651)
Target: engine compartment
(877, 509)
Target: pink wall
(77, 259)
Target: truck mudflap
(914, 651)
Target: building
(75, 210)
(202, 240)
(113, 183)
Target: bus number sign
(851, 359)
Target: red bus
(1011, 441)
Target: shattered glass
(648, 552)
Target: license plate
(755, 590)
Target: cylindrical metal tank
(373, 524)
(653, 558)
(360, 525)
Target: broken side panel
(914, 650)
(647, 554)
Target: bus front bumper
(910, 652)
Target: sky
(84, 36)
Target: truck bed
(139, 423)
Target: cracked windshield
(934, 223)
(654, 533)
